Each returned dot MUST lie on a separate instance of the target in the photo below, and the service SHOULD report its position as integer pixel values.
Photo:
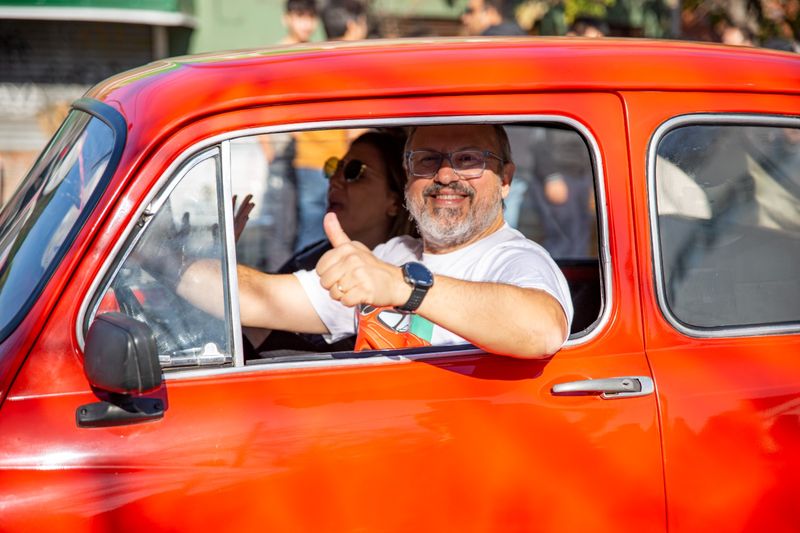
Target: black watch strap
(420, 278)
(414, 300)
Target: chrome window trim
(712, 119)
(604, 255)
(377, 360)
(230, 289)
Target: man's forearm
(265, 300)
(503, 319)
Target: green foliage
(647, 18)
(591, 8)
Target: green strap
(421, 327)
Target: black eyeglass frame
(449, 156)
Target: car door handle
(607, 388)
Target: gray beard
(442, 229)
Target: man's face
(300, 25)
(474, 18)
(451, 211)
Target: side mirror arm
(121, 363)
(119, 410)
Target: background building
(52, 51)
(234, 24)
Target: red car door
(450, 440)
(720, 302)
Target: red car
(664, 178)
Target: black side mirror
(121, 355)
(121, 362)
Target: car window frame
(174, 178)
(335, 359)
(702, 119)
(116, 124)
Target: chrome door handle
(608, 388)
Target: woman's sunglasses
(353, 169)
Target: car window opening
(551, 201)
(281, 186)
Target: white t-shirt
(505, 256)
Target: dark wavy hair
(390, 143)
(301, 6)
(336, 15)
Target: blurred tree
(591, 8)
(641, 18)
(770, 20)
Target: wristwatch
(420, 278)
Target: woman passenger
(366, 191)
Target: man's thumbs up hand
(334, 231)
(353, 275)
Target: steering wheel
(173, 332)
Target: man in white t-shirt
(471, 277)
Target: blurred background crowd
(52, 51)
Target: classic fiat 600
(663, 178)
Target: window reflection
(728, 200)
(37, 225)
(186, 228)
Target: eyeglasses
(353, 169)
(467, 164)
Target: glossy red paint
(471, 442)
(729, 406)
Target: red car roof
(183, 88)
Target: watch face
(418, 274)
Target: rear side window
(728, 216)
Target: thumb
(334, 231)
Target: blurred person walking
(344, 20)
(494, 18)
(730, 32)
(586, 26)
(271, 200)
(490, 17)
(300, 19)
(563, 193)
